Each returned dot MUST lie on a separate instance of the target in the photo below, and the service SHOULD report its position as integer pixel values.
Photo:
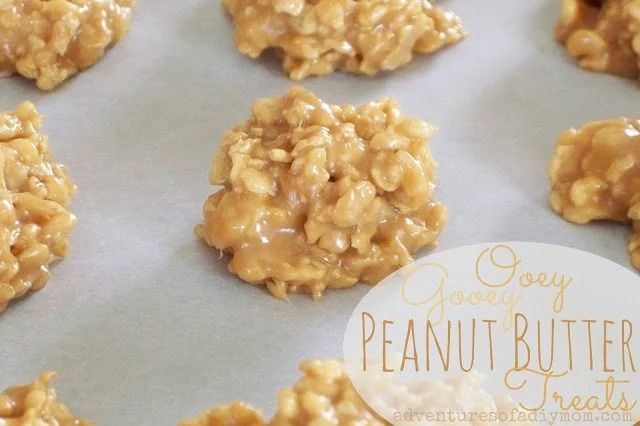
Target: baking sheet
(143, 323)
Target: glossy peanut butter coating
(34, 193)
(318, 196)
(604, 35)
(51, 40)
(315, 37)
(35, 405)
(323, 396)
(595, 175)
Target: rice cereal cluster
(318, 196)
(595, 174)
(604, 35)
(323, 396)
(34, 193)
(50, 40)
(316, 37)
(35, 405)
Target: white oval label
(500, 333)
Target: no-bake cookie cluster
(323, 396)
(326, 396)
(318, 196)
(35, 404)
(34, 194)
(51, 40)
(316, 37)
(604, 35)
(595, 174)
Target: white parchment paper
(143, 322)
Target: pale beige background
(143, 322)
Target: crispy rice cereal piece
(34, 191)
(316, 37)
(320, 196)
(595, 174)
(35, 405)
(50, 40)
(604, 35)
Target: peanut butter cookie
(35, 405)
(595, 175)
(318, 196)
(323, 396)
(604, 35)
(316, 37)
(34, 193)
(51, 40)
